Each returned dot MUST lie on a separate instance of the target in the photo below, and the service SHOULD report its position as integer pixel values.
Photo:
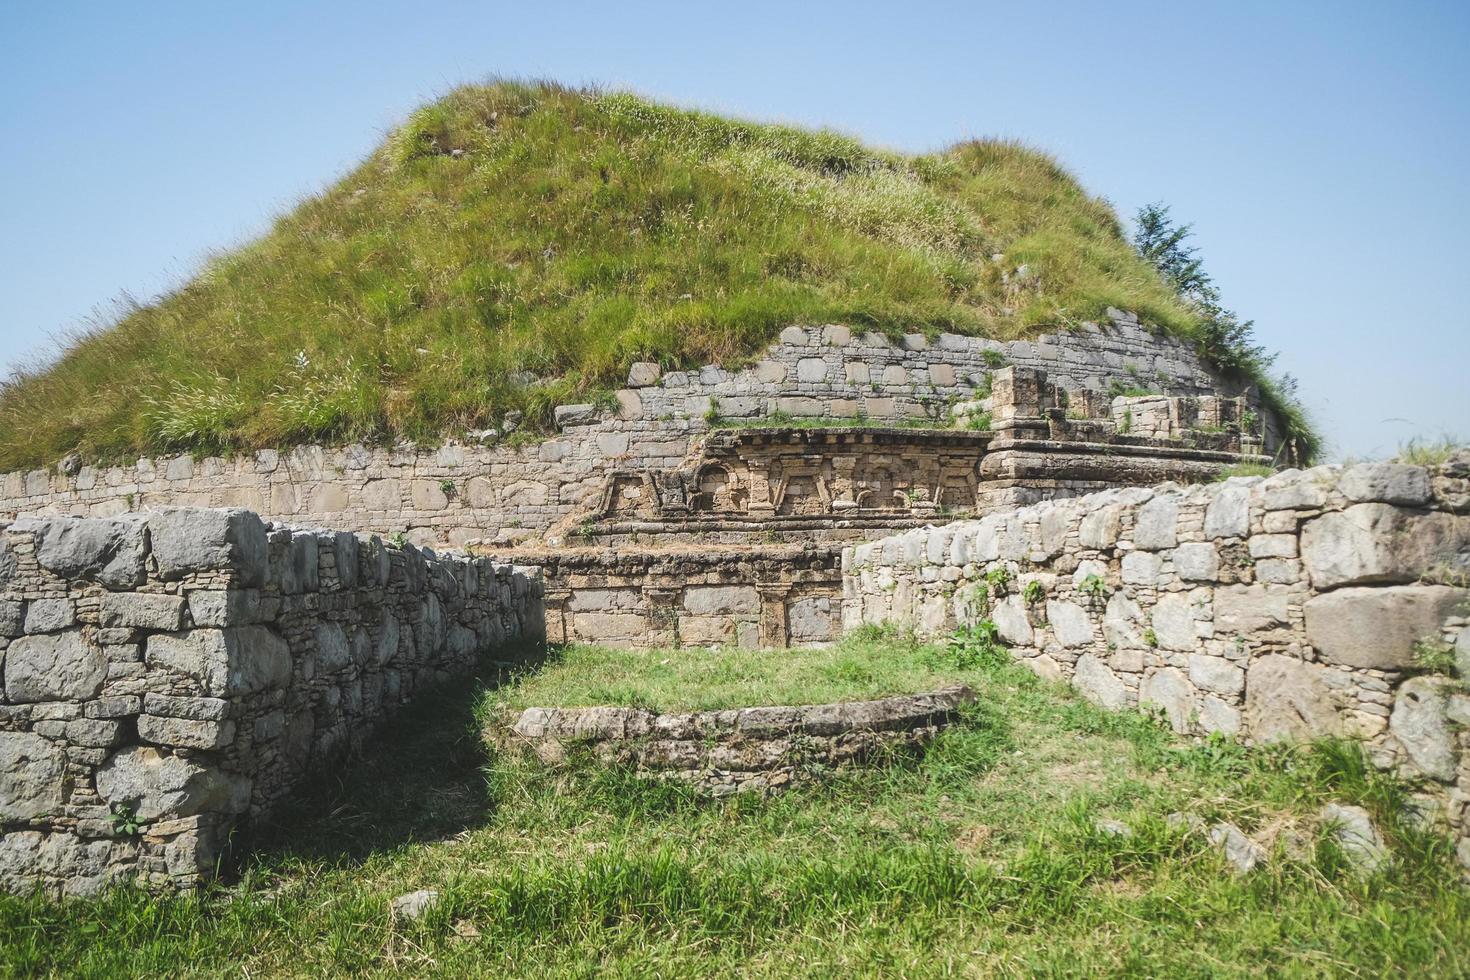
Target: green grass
(516, 245)
(1431, 452)
(982, 858)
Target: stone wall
(768, 597)
(1305, 604)
(167, 675)
(739, 750)
(503, 493)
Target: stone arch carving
(718, 489)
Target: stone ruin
(171, 672)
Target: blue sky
(1321, 150)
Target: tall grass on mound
(516, 245)
(986, 855)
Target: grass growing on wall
(985, 857)
(516, 245)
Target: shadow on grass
(421, 777)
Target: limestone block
(630, 404)
(1286, 698)
(770, 372)
(188, 540)
(1167, 688)
(1272, 546)
(31, 770)
(1369, 543)
(894, 374)
(1122, 623)
(1357, 838)
(1216, 674)
(802, 407)
(1294, 490)
(1420, 725)
(427, 495)
(1099, 529)
(1157, 523)
(1173, 622)
(1378, 627)
(1197, 561)
(857, 372)
(153, 785)
(328, 498)
(1388, 483)
(332, 650)
(1244, 610)
(643, 373)
(109, 551)
(49, 615)
(1069, 623)
(811, 620)
(225, 662)
(795, 336)
(837, 335)
(710, 600)
(580, 414)
(10, 617)
(1141, 568)
(139, 610)
(941, 375)
(810, 370)
(188, 733)
(1096, 681)
(1217, 716)
(1009, 616)
(1228, 515)
(53, 667)
(610, 627)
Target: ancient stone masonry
(168, 675)
(1316, 603)
(502, 493)
(738, 750)
(771, 597)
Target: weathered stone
(1123, 623)
(1099, 529)
(225, 662)
(1420, 725)
(187, 540)
(1249, 610)
(11, 617)
(143, 610)
(55, 667)
(1370, 543)
(1197, 562)
(1142, 568)
(31, 770)
(1216, 674)
(109, 551)
(414, 905)
(1096, 681)
(1353, 831)
(1286, 698)
(49, 615)
(1157, 523)
(1069, 623)
(1173, 622)
(582, 414)
(1168, 689)
(721, 599)
(1242, 853)
(1378, 627)
(1011, 622)
(153, 785)
(1228, 515)
(643, 373)
(1388, 483)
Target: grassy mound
(513, 246)
(989, 855)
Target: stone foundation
(739, 750)
(166, 676)
(1302, 605)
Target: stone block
(1245, 610)
(1378, 627)
(1099, 529)
(1272, 546)
(770, 372)
(1096, 681)
(1011, 622)
(1069, 623)
(1388, 483)
(49, 615)
(709, 600)
(643, 373)
(224, 662)
(857, 372)
(1142, 568)
(1368, 543)
(1420, 725)
(941, 375)
(1169, 690)
(53, 667)
(153, 785)
(1157, 523)
(140, 610)
(1197, 562)
(31, 771)
(795, 336)
(1216, 674)
(109, 551)
(801, 407)
(810, 370)
(187, 540)
(1228, 515)
(580, 414)
(894, 374)
(1289, 699)
(1173, 622)
(188, 733)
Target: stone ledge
(755, 749)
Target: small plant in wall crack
(1150, 637)
(398, 539)
(125, 822)
(1094, 587)
(1034, 592)
(449, 489)
(999, 579)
